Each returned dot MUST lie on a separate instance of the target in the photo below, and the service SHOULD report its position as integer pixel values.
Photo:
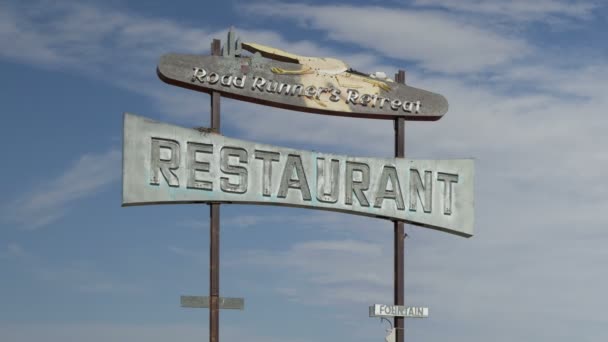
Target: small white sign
(381, 310)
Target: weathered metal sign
(163, 163)
(203, 302)
(308, 84)
(381, 310)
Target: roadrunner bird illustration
(321, 66)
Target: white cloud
(342, 225)
(537, 131)
(517, 9)
(51, 201)
(539, 234)
(585, 81)
(436, 41)
(336, 271)
(123, 48)
(366, 136)
(75, 35)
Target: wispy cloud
(76, 35)
(124, 332)
(336, 271)
(198, 256)
(517, 10)
(101, 332)
(537, 128)
(123, 48)
(47, 203)
(436, 41)
(77, 275)
(81, 276)
(13, 250)
(340, 225)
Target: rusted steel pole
(399, 229)
(214, 228)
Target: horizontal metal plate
(203, 302)
(165, 164)
(345, 94)
(382, 310)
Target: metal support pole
(214, 228)
(399, 229)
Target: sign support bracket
(399, 227)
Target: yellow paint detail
(322, 72)
(378, 84)
(344, 84)
(325, 65)
(320, 103)
(282, 71)
(270, 52)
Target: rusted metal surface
(214, 271)
(164, 164)
(399, 276)
(225, 303)
(270, 82)
(399, 231)
(214, 228)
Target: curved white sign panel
(165, 164)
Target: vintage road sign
(203, 302)
(381, 310)
(163, 163)
(309, 84)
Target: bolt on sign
(164, 164)
(309, 84)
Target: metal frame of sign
(305, 87)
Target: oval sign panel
(316, 85)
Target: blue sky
(527, 85)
